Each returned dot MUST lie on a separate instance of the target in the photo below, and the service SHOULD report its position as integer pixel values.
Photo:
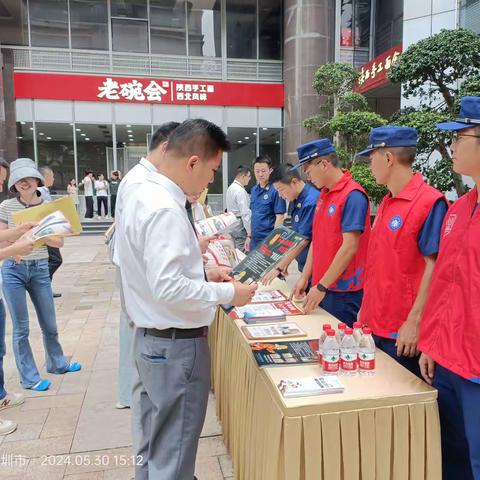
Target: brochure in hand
(265, 312)
(279, 244)
(307, 387)
(214, 225)
(53, 225)
(285, 353)
(261, 332)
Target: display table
(382, 427)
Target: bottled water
(357, 332)
(323, 336)
(330, 354)
(340, 332)
(349, 354)
(366, 353)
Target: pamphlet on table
(285, 353)
(306, 387)
(265, 312)
(267, 332)
(269, 296)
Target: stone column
(309, 37)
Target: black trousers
(102, 201)
(89, 207)
(113, 202)
(54, 260)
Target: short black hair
(4, 163)
(263, 159)
(88, 172)
(198, 137)
(283, 174)
(242, 170)
(161, 134)
(406, 155)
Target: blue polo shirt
(302, 217)
(265, 203)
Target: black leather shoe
(57, 295)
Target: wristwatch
(322, 288)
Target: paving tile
(62, 421)
(226, 465)
(72, 401)
(211, 426)
(100, 460)
(208, 468)
(38, 447)
(119, 474)
(211, 446)
(29, 431)
(44, 468)
(85, 476)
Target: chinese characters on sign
(154, 92)
(374, 73)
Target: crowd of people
(412, 276)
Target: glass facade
(470, 15)
(171, 27)
(388, 25)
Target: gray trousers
(239, 235)
(170, 395)
(125, 362)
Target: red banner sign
(374, 73)
(107, 88)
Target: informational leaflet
(266, 311)
(269, 296)
(306, 387)
(282, 242)
(52, 225)
(262, 332)
(215, 225)
(285, 353)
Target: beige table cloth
(383, 427)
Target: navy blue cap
(390, 136)
(468, 117)
(316, 148)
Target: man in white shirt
(171, 303)
(238, 202)
(130, 181)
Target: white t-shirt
(101, 187)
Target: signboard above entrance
(108, 88)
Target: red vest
(450, 328)
(395, 264)
(327, 236)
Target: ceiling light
(129, 131)
(49, 138)
(239, 141)
(71, 124)
(23, 123)
(78, 129)
(31, 128)
(41, 133)
(83, 134)
(278, 141)
(264, 128)
(254, 133)
(20, 138)
(128, 126)
(87, 139)
(247, 138)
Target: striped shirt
(7, 207)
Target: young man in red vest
(341, 227)
(450, 329)
(403, 245)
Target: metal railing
(82, 61)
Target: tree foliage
(438, 71)
(363, 175)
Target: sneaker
(121, 406)
(11, 400)
(7, 426)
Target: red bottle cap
(367, 331)
(357, 325)
(342, 326)
(349, 331)
(331, 333)
(326, 326)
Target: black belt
(178, 332)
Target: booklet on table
(277, 354)
(267, 332)
(306, 387)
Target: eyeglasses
(311, 164)
(456, 136)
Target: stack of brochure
(307, 387)
(55, 224)
(265, 312)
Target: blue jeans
(458, 401)
(3, 316)
(389, 347)
(32, 276)
(343, 305)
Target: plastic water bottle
(330, 354)
(323, 336)
(349, 354)
(340, 332)
(366, 353)
(357, 332)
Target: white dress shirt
(160, 260)
(137, 175)
(238, 202)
